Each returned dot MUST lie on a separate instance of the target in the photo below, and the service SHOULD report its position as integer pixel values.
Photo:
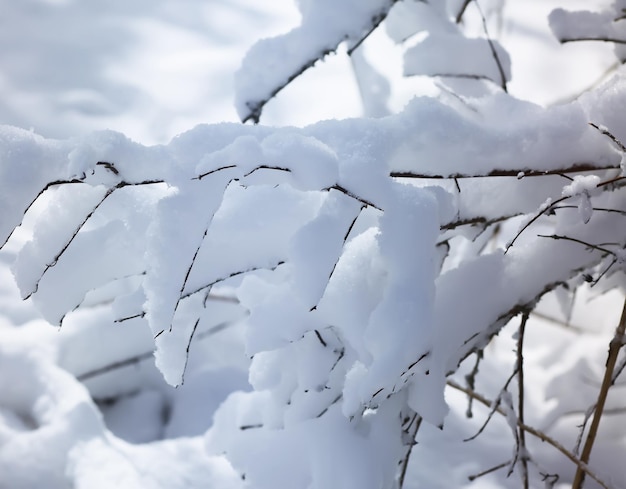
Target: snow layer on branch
(586, 25)
(273, 63)
(473, 58)
(181, 224)
(605, 105)
(27, 163)
(314, 259)
(519, 135)
(408, 18)
(320, 453)
(407, 234)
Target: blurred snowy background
(152, 69)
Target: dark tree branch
(517, 173)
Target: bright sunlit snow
(321, 300)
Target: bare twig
(614, 348)
(210, 172)
(470, 379)
(531, 221)
(193, 331)
(520, 397)
(319, 337)
(334, 401)
(495, 407)
(347, 192)
(459, 15)
(411, 431)
(267, 167)
(574, 240)
(529, 429)
(608, 134)
(492, 47)
(598, 209)
(488, 471)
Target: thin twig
(413, 433)
(495, 406)
(591, 38)
(488, 471)
(574, 240)
(459, 15)
(49, 185)
(598, 209)
(193, 331)
(347, 192)
(231, 275)
(335, 401)
(470, 379)
(531, 221)
(492, 47)
(376, 20)
(614, 347)
(520, 397)
(69, 242)
(136, 359)
(608, 134)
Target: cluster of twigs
(503, 404)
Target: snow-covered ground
(84, 405)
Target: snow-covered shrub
(358, 251)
